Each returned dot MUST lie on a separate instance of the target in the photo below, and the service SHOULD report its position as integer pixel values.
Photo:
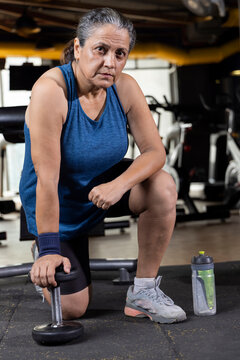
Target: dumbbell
(59, 331)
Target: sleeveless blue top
(88, 149)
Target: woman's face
(104, 55)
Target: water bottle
(203, 285)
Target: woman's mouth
(106, 75)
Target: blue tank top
(88, 149)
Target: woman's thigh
(121, 208)
(77, 252)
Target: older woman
(74, 176)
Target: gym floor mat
(110, 335)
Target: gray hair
(90, 22)
(102, 16)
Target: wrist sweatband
(49, 244)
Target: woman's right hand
(43, 269)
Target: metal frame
(125, 268)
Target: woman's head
(95, 18)
(91, 22)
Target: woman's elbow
(161, 157)
(47, 182)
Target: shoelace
(157, 294)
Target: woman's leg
(155, 202)
(73, 305)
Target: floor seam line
(9, 320)
(171, 342)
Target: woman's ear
(76, 49)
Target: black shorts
(77, 250)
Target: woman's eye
(120, 54)
(101, 49)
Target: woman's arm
(145, 133)
(45, 118)
(147, 138)
(45, 126)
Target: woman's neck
(86, 89)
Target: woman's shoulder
(51, 79)
(51, 84)
(126, 87)
(49, 93)
(125, 80)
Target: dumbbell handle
(56, 306)
(60, 276)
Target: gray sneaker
(34, 251)
(153, 303)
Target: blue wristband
(49, 244)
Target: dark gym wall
(193, 81)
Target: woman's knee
(75, 305)
(75, 311)
(163, 191)
(158, 193)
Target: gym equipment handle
(61, 276)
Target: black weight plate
(46, 334)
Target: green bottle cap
(201, 252)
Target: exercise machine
(230, 135)
(179, 162)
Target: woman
(73, 176)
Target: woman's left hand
(106, 195)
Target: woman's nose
(109, 60)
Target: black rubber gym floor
(109, 335)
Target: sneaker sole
(134, 311)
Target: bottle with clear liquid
(203, 285)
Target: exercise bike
(232, 137)
(179, 162)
